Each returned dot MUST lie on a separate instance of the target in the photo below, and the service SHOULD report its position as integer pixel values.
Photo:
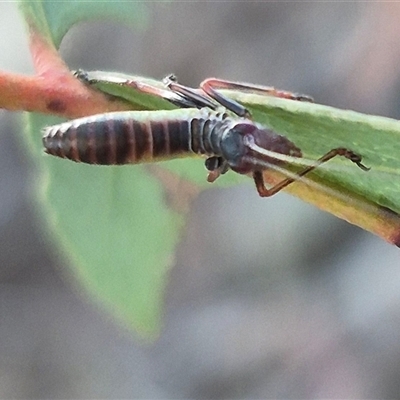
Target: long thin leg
(216, 83)
(198, 100)
(203, 101)
(173, 96)
(265, 192)
(211, 86)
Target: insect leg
(174, 97)
(211, 86)
(267, 192)
(216, 167)
(192, 95)
(82, 75)
(215, 83)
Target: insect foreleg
(216, 167)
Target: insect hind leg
(198, 100)
(215, 83)
(212, 85)
(211, 99)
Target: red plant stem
(53, 90)
(45, 56)
(58, 94)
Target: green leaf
(368, 199)
(113, 223)
(114, 227)
(116, 84)
(54, 18)
(314, 128)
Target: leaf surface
(119, 226)
(113, 224)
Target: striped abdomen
(133, 137)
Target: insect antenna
(319, 186)
(311, 164)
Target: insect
(210, 124)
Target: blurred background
(269, 297)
